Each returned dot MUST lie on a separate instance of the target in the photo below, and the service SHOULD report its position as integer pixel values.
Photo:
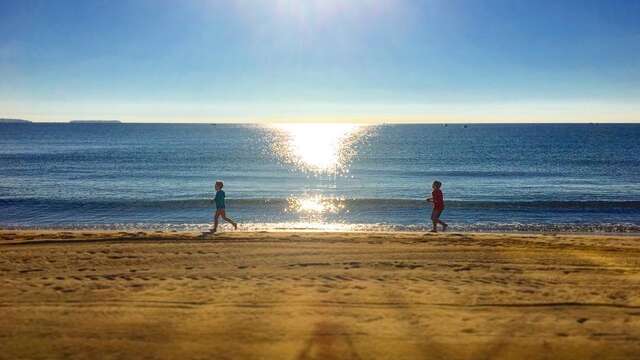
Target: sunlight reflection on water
(315, 204)
(317, 148)
(324, 150)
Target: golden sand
(263, 295)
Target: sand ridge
(317, 295)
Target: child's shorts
(435, 214)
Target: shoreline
(318, 295)
(199, 233)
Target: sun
(304, 10)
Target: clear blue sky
(320, 60)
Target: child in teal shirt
(220, 208)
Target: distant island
(14, 121)
(95, 122)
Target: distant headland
(95, 122)
(14, 121)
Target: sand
(275, 295)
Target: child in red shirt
(437, 199)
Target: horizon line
(454, 122)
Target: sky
(320, 60)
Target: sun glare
(320, 148)
(304, 10)
(314, 205)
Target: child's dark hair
(219, 182)
(437, 184)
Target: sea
(330, 177)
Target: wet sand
(262, 295)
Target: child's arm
(430, 200)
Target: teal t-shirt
(220, 199)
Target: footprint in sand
(31, 270)
(465, 268)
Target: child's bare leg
(215, 222)
(444, 225)
(235, 226)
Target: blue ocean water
(160, 176)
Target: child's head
(219, 185)
(436, 184)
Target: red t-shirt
(438, 199)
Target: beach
(318, 295)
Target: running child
(437, 199)
(220, 208)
